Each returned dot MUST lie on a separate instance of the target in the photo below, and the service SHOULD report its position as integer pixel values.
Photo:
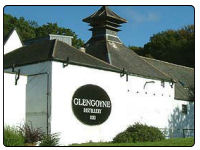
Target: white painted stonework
(130, 103)
(14, 100)
(136, 100)
(34, 103)
(12, 43)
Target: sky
(143, 21)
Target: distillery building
(94, 93)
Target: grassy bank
(168, 142)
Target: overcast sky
(143, 21)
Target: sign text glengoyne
(91, 105)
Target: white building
(12, 42)
(97, 94)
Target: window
(184, 109)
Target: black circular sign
(91, 104)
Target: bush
(50, 140)
(26, 135)
(139, 133)
(31, 135)
(12, 137)
(123, 137)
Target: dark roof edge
(153, 78)
(91, 56)
(117, 70)
(168, 63)
(70, 62)
(187, 100)
(158, 70)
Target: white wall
(12, 43)
(29, 97)
(130, 103)
(14, 100)
(179, 121)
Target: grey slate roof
(120, 56)
(106, 45)
(53, 50)
(183, 76)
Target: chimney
(104, 25)
(63, 38)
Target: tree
(23, 27)
(173, 46)
(9, 24)
(30, 29)
(53, 28)
(140, 51)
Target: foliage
(138, 50)
(167, 142)
(31, 135)
(12, 137)
(139, 133)
(26, 135)
(175, 46)
(50, 140)
(26, 31)
(30, 29)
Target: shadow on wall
(181, 124)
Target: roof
(49, 37)
(120, 56)
(183, 76)
(106, 45)
(53, 50)
(123, 57)
(102, 13)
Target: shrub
(123, 137)
(31, 135)
(50, 140)
(12, 137)
(139, 133)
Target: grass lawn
(168, 142)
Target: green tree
(30, 29)
(9, 24)
(53, 28)
(173, 46)
(23, 27)
(140, 51)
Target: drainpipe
(48, 79)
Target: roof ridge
(109, 58)
(91, 56)
(168, 63)
(156, 68)
(106, 9)
(149, 63)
